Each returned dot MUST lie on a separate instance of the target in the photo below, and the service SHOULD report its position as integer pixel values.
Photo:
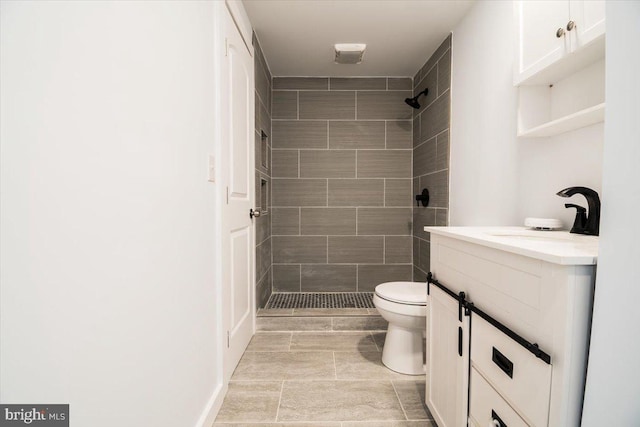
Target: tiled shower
(338, 164)
(263, 93)
(431, 152)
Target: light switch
(212, 168)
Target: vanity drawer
(523, 379)
(487, 405)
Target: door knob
(255, 213)
(570, 25)
(560, 32)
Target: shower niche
(264, 196)
(264, 150)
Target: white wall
(484, 151)
(613, 379)
(107, 219)
(547, 165)
(496, 178)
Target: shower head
(413, 102)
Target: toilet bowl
(404, 306)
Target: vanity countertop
(558, 247)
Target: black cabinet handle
(503, 362)
(495, 417)
(459, 341)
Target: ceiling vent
(349, 53)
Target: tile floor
(323, 379)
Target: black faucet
(584, 224)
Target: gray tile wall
(263, 166)
(342, 183)
(431, 152)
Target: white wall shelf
(577, 120)
(569, 104)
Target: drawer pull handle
(459, 341)
(503, 362)
(496, 421)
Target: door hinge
(228, 339)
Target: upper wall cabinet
(556, 38)
(559, 65)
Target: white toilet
(404, 306)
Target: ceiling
(297, 36)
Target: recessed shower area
(339, 164)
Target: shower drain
(321, 300)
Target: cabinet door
(538, 46)
(589, 22)
(447, 360)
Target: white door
(447, 360)
(537, 24)
(238, 240)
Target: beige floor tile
(422, 423)
(270, 341)
(285, 365)
(369, 323)
(293, 323)
(339, 401)
(333, 341)
(250, 402)
(379, 338)
(411, 395)
(365, 365)
(266, 312)
(300, 424)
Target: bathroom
(113, 175)
(351, 154)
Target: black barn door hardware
(470, 307)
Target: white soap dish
(543, 223)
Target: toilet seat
(408, 293)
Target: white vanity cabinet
(525, 337)
(549, 32)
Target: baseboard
(213, 406)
